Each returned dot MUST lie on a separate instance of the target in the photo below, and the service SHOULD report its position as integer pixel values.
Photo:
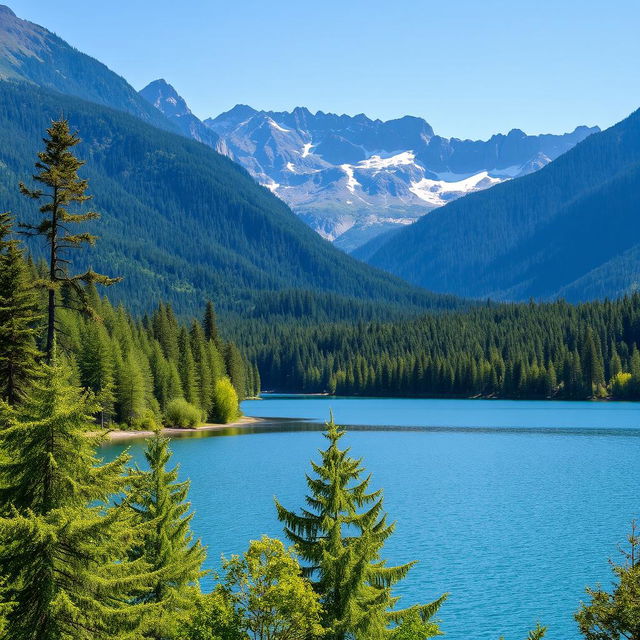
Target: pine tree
(236, 370)
(353, 582)
(58, 172)
(188, 371)
(62, 537)
(167, 545)
(131, 390)
(210, 324)
(18, 318)
(95, 361)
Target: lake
(512, 507)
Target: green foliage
(616, 614)
(62, 538)
(62, 187)
(552, 350)
(159, 501)
(133, 366)
(18, 318)
(413, 627)
(268, 591)
(538, 633)
(214, 618)
(182, 415)
(340, 535)
(225, 402)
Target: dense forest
(554, 350)
(183, 224)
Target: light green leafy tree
(268, 590)
(225, 402)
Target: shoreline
(120, 434)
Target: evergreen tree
(18, 318)
(188, 371)
(62, 539)
(167, 545)
(96, 366)
(342, 545)
(236, 370)
(131, 391)
(210, 324)
(58, 173)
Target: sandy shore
(128, 435)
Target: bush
(225, 402)
(182, 414)
(621, 385)
(146, 422)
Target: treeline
(554, 350)
(144, 372)
(156, 370)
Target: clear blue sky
(470, 68)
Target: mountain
(183, 223)
(30, 53)
(166, 99)
(570, 230)
(352, 178)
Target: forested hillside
(513, 351)
(569, 230)
(183, 224)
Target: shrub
(182, 414)
(621, 385)
(146, 422)
(225, 402)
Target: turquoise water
(512, 507)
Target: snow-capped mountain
(351, 178)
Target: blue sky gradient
(469, 68)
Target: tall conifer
(341, 535)
(167, 545)
(62, 187)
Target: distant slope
(30, 53)
(183, 223)
(572, 229)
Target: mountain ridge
(352, 177)
(568, 230)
